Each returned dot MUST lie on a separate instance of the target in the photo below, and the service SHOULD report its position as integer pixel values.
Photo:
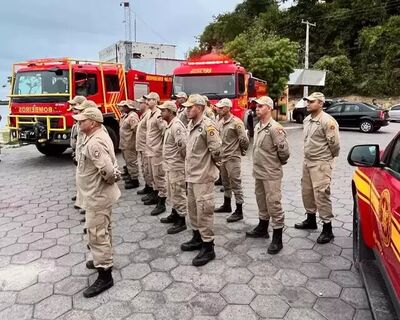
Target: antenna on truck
(128, 20)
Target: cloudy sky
(80, 28)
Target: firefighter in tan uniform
(234, 145)
(270, 152)
(127, 142)
(209, 111)
(73, 103)
(174, 151)
(181, 98)
(202, 155)
(155, 126)
(321, 147)
(141, 145)
(97, 174)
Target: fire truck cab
(40, 89)
(217, 76)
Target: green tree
(267, 56)
(339, 74)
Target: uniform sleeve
(180, 137)
(214, 143)
(133, 122)
(242, 136)
(280, 140)
(74, 135)
(161, 124)
(102, 161)
(332, 136)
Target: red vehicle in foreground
(40, 89)
(217, 76)
(376, 227)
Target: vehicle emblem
(385, 217)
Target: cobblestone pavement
(42, 252)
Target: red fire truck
(40, 89)
(217, 76)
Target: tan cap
(315, 96)
(77, 100)
(194, 99)
(224, 103)
(170, 105)
(181, 95)
(140, 100)
(86, 104)
(265, 101)
(127, 103)
(91, 114)
(152, 95)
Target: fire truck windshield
(41, 82)
(214, 86)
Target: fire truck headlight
(65, 136)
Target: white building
(124, 51)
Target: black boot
(326, 235)
(237, 215)
(226, 207)
(131, 183)
(309, 223)
(261, 231)
(193, 244)
(205, 255)
(276, 244)
(125, 172)
(82, 211)
(146, 190)
(90, 264)
(153, 199)
(160, 208)
(103, 282)
(73, 198)
(171, 218)
(178, 226)
(83, 219)
(148, 195)
(76, 207)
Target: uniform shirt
(234, 138)
(127, 131)
(202, 152)
(174, 146)
(141, 131)
(321, 138)
(74, 135)
(270, 151)
(154, 134)
(97, 172)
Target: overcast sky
(81, 28)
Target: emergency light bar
(209, 62)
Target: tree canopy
(356, 41)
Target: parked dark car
(299, 113)
(359, 115)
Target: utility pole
(127, 20)
(308, 24)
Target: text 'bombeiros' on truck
(40, 89)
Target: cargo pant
(98, 224)
(130, 157)
(200, 200)
(268, 197)
(157, 175)
(231, 179)
(176, 191)
(315, 188)
(144, 162)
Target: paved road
(42, 252)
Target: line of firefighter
(182, 161)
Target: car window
(394, 159)
(351, 108)
(334, 109)
(396, 108)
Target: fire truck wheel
(113, 136)
(360, 250)
(51, 149)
